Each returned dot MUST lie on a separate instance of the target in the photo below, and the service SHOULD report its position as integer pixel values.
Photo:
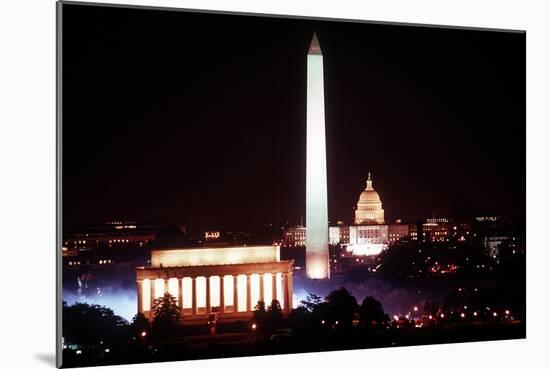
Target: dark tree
(139, 325)
(317, 309)
(371, 314)
(274, 315)
(311, 301)
(300, 320)
(342, 307)
(259, 315)
(92, 324)
(322, 314)
(166, 313)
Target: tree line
(86, 324)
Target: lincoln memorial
(228, 280)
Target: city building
(92, 254)
(493, 245)
(369, 207)
(226, 280)
(397, 232)
(317, 252)
(444, 230)
(211, 235)
(358, 235)
(500, 235)
(436, 230)
(339, 234)
(462, 229)
(94, 260)
(368, 234)
(294, 236)
(111, 234)
(415, 231)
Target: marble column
(221, 309)
(290, 292)
(248, 297)
(180, 294)
(152, 295)
(194, 295)
(274, 287)
(262, 289)
(165, 287)
(285, 292)
(140, 296)
(208, 307)
(235, 294)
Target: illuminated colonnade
(231, 290)
(213, 294)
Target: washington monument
(317, 255)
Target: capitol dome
(369, 207)
(369, 196)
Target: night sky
(200, 119)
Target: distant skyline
(200, 118)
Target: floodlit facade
(226, 280)
(361, 240)
(317, 253)
(369, 207)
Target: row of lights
(119, 241)
(106, 261)
(462, 314)
(79, 242)
(83, 242)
